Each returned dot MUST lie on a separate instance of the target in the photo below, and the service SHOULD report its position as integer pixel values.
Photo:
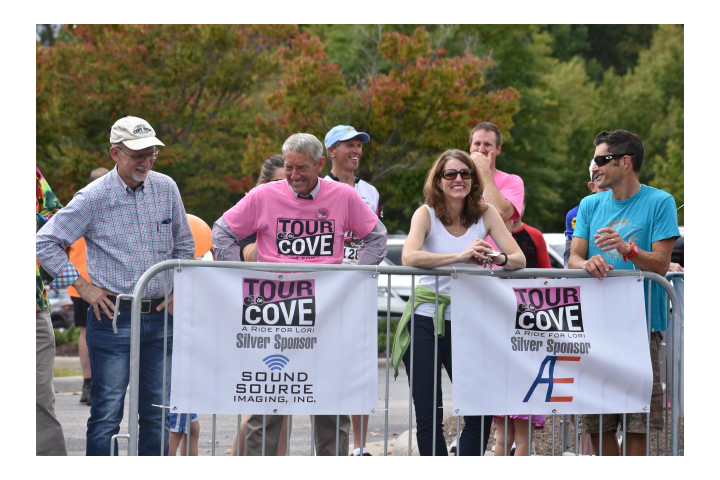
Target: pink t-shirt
(512, 188)
(294, 230)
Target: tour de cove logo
(278, 303)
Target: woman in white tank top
(448, 230)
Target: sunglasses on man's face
(451, 174)
(601, 160)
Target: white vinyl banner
(560, 346)
(271, 343)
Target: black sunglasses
(601, 160)
(451, 174)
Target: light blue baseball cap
(340, 133)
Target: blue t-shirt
(570, 222)
(646, 217)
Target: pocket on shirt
(162, 240)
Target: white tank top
(439, 240)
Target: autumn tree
(200, 86)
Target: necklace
(455, 230)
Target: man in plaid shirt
(131, 218)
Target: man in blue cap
(344, 148)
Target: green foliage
(224, 97)
(382, 334)
(70, 335)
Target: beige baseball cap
(135, 133)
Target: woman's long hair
(473, 206)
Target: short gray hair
(305, 144)
(98, 172)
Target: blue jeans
(475, 434)
(110, 367)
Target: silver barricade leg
(529, 435)
(668, 371)
(505, 440)
(387, 368)
(262, 449)
(482, 429)
(288, 419)
(187, 434)
(164, 372)
(238, 431)
(457, 430)
(412, 355)
(362, 432)
(600, 435)
(624, 435)
(214, 431)
(113, 442)
(435, 368)
(676, 371)
(337, 434)
(553, 435)
(649, 411)
(576, 434)
(312, 435)
(565, 442)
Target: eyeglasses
(139, 157)
(451, 174)
(601, 160)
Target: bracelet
(504, 261)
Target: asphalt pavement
(73, 417)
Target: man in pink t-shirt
(504, 191)
(303, 219)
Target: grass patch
(66, 372)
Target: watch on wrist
(634, 251)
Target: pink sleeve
(361, 220)
(514, 191)
(242, 218)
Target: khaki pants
(325, 430)
(49, 439)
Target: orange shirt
(76, 254)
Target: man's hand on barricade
(597, 266)
(95, 296)
(675, 267)
(608, 239)
(169, 305)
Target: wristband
(634, 252)
(504, 261)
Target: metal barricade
(672, 370)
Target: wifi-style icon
(276, 362)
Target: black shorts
(80, 310)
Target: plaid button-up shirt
(126, 231)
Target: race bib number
(351, 254)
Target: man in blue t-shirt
(631, 226)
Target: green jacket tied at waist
(402, 333)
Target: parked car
(62, 314)
(556, 248)
(678, 253)
(395, 245)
